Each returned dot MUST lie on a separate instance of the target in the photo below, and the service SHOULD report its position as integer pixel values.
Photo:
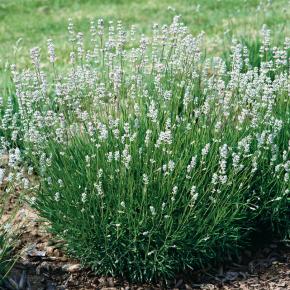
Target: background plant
(6, 238)
(5, 254)
(14, 184)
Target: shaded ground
(43, 266)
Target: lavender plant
(13, 178)
(5, 254)
(5, 257)
(151, 157)
(6, 241)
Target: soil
(42, 265)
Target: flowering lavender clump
(5, 252)
(10, 176)
(152, 158)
